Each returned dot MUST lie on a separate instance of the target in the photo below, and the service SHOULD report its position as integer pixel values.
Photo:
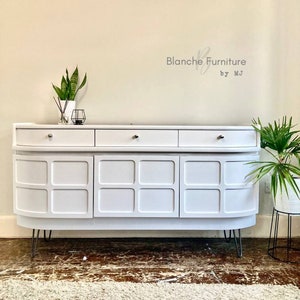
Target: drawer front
(137, 138)
(54, 137)
(217, 138)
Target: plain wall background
(123, 46)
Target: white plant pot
(288, 203)
(67, 106)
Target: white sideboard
(134, 177)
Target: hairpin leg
(47, 238)
(237, 241)
(227, 239)
(35, 238)
(34, 241)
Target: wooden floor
(145, 260)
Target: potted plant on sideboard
(282, 142)
(66, 94)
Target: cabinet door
(136, 185)
(53, 186)
(215, 186)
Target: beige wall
(123, 45)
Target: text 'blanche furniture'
(134, 177)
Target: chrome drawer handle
(50, 135)
(220, 137)
(135, 137)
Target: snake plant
(68, 87)
(282, 142)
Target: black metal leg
(35, 238)
(47, 238)
(227, 239)
(289, 237)
(237, 241)
(34, 241)
(270, 235)
(273, 238)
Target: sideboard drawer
(217, 138)
(136, 138)
(54, 137)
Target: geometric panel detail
(70, 172)
(156, 200)
(31, 172)
(69, 201)
(236, 171)
(239, 200)
(202, 172)
(202, 201)
(116, 171)
(31, 200)
(116, 200)
(157, 172)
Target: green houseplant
(282, 142)
(69, 87)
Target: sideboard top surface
(132, 126)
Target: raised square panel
(116, 172)
(202, 201)
(202, 172)
(31, 172)
(31, 200)
(236, 171)
(70, 172)
(156, 200)
(239, 201)
(69, 201)
(116, 200)
(157, 172)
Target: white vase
(67, 109)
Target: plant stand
(283, 249)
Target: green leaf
(64, 88)
(73, 84)
(282, 142)
(82, 84)
(58, 91)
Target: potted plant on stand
(282, 168)
(66, 94)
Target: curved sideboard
(134, 177)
